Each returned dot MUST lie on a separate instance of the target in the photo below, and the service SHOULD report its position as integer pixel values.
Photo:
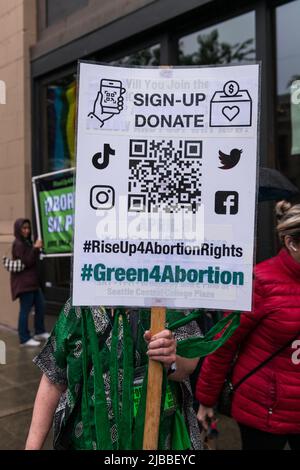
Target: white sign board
(166, 186)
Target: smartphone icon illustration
(111, 91)
(109, 101)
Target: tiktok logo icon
(101, 159)
(226, 202)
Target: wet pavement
(19, 379)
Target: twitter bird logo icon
(231, 160)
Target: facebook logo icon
(226, 202)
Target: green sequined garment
(67, 358)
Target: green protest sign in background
(54, 198)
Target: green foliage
(212, 51)
(149, 56)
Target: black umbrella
(274, 186)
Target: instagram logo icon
(102, 197)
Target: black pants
(254, 439)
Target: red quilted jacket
(269, 400)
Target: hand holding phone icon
(111, 96)
(109, 100)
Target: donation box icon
(231, 107)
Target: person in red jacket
(25, 284)
(267, 404)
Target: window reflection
(61, 111)
(143, 57)
(232, 41)
(61, 115)
(288, 89)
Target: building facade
(52, 35)
(17, 35)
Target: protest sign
(54, 207)
(166, 186)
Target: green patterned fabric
(101, 374)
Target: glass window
(61, 111)
(147, 56)
(57, 272)
(61, 115)
(60, 149)
(59, 9)
(288, 89)
(231, 41)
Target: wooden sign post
(154, 386)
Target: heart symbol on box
(230, 112)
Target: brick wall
(17, 34)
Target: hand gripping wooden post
(154, 386)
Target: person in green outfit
(93, 387)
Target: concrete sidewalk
(19, 380)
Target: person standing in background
(25, 284)
(266, 404)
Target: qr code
(164, 175)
